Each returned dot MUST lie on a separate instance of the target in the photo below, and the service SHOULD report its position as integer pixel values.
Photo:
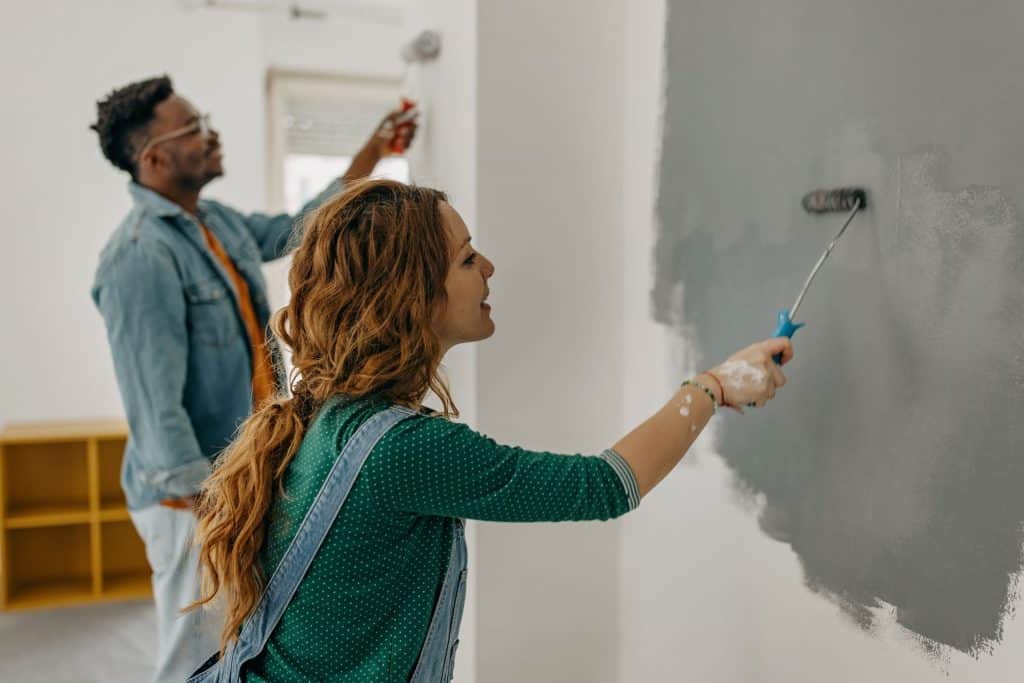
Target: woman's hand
(750, 378)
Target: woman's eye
(470, 260)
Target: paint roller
(852, 199)
(426, 46)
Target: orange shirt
(263, 383)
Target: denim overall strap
(259, 626)
(437, 658)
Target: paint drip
(685, 410)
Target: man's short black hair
(126, 112)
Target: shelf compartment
(48, 566)
(126, 573)
(110, 453)
(50, 593)
(127, 586)
(45, 476)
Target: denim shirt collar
(148, 199)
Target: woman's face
(467, 316)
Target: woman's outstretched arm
(748, 378)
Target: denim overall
(437, 657)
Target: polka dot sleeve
(430, 466)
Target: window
(316, 124)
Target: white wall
(56, 59)
(445, 152)
(445, 157)
(549, 162)
(528, 143)
(340, 43)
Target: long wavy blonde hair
(366, 281)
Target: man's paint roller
(425, 47)
(852, 199)
(403, 123)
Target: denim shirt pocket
(210, 312)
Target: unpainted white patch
(688, 398)
(684, 411)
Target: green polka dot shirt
(361, 613)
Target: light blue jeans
(184, 641)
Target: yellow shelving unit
(65, 534)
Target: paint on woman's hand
(739, 374)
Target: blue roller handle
(785, 328)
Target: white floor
(108, 643)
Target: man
(183, 299)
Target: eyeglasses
(201, 126)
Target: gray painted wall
(893, 464)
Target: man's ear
(151, 159)
(142, 162)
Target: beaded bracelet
(711, 395)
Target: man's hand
(186, 503)
(395, 132)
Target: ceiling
(376, 11)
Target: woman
(384, 282)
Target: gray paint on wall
(893, 464)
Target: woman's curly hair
(367, 282)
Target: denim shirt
(181, 352)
